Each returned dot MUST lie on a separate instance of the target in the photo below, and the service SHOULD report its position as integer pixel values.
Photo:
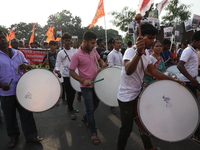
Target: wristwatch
(138, 53)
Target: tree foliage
(176, 12)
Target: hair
(88, 35)
(99, 41)
(14, 39)
(129, 43)
(196, 36)
(66, 35)
(154, 43)
(45, 43)
(110, 41)
(115, 39)
(166, 41)
(148, 29)
(53, 43)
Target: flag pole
(106, 40)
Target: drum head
(168, 110)
(74, 83)
(107, 89)
(38, 90)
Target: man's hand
(5, 86)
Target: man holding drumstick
(12, 63)
(134, 64)
(86, 60)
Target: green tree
(176, 12)
(122, 19)
(4, 29)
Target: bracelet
(138, 53)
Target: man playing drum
(85, 60)
(188, 66)
(12, 63)
(134, 64)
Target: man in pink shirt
(86, 59)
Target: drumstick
(97, 80)
(10, 82)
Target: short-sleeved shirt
(9, 70)
(63, 61)
(86, 64)
(190, 57)
(114, 58)
(131, 85)
(166, 55)
(51, 59)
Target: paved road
(61, 133)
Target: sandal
(85, 122)
(73, 117)
(35, 140)
(95, 140)
(12, 143)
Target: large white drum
(168, 111)
(107, 89)
(74, 83)
(38, 90)
(174, 71)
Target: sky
(38, 11)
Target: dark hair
(66, 35)
(196, 36)
(89, 36)
(14, 39)
(166, 41)
(53, 43)
(115, 39)
(99, 41)
(45, 43)
(154, 43)
(110, 41)
(148, 29)
(129, 43)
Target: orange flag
(50, 34)
(11, 35)
(99, 13)
(33, 34)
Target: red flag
(161, 5)
(144, 5)
(99, 13)
(50, 34)
(33, 34)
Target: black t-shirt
(51, 60)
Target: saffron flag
(99, 13)
(161, 5)
(144, 5)
(11, 35)
(33, 34)
(50, 34)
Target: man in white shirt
(64, 58)
(115, 56)
(188, 66)
(131, 83)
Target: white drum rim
(144, 126)
(118, 67)
(45, 109)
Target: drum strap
(67, 55)
(20, 59)
(96, 59)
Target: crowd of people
(141, 64)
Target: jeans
(9, 104)
(127, 112)
(91, 103)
